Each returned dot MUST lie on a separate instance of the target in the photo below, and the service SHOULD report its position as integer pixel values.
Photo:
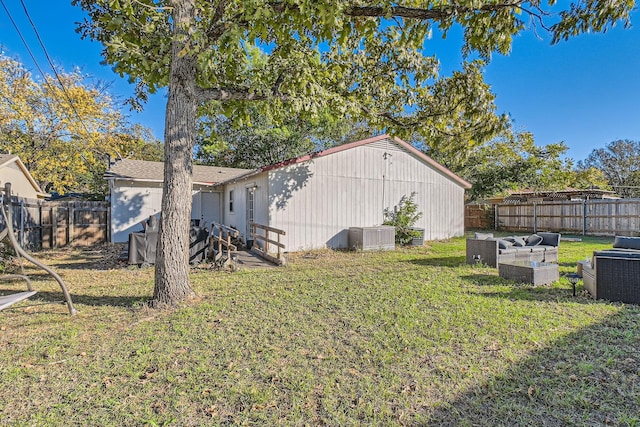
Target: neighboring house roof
(6, 159)
(408, 147)
(75, 196)
(551, 195)
(142, 170)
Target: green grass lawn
(410, 337)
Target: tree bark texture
(172, 261)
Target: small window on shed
(230, 200)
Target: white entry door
(251, 193)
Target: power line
(53, 68)
(35, 61)
(24, 42)
(26, 45)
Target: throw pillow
(517, 241)
(504, 244)
(534, 240)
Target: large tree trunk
(172, 260)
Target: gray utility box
(381, 238)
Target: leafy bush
(7, 255)
(403, 218)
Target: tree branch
(218, 26)
(233, 94)
(426, 14)
(276, 86)
(411, 121)
(152, 7)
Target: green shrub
(403, 218)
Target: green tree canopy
(356, 58)
(514, 162)
(64, 130)
(261, 139)
(619, 161)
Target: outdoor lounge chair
(614, 274)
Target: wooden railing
(222, 235)
(262, 241)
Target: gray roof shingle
(6, 158)
(142, 170)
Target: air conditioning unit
(379, 238)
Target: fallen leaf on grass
(148, 373)
(159, 407)
(531, 392)
(211, 411)
(494, 346)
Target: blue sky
(585, 92)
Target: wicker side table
(534, 272)
(580, 267)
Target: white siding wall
(210, 208)
(316, 202)
(20, 184)
(133, 202)
(238, 218)
(206, 206)
(261, 214)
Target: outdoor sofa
(489, 250)
(614, 274)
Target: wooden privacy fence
(587, 217)
(478, 217)
(44, 224)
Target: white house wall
(316, 201)
(20, 184)
(210, 208)
(133, 202)
(238, 218)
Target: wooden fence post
(279, 253)
(584, 217)
(40, 230)
(54, 227)
(21, 206)
(108, 225)
(70, 223)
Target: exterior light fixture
(573, 278)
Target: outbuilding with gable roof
(314, 198)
